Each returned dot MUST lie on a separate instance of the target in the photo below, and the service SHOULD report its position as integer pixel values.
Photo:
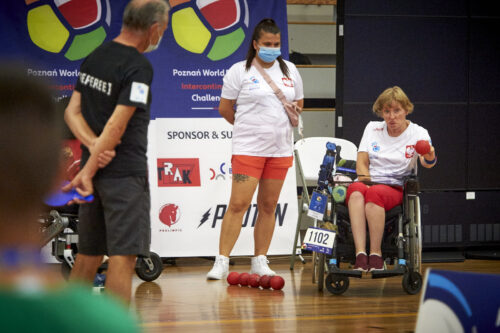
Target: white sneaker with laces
(220, 269)
(259, 266)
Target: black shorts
(117, 222)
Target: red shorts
(261, 167)
(384, 196)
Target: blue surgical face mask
(269, 54)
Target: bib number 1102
(318, 237)
(319, 240)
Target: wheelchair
(401, 244)
(61, 227)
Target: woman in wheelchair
(388, 151)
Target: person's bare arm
(108, 140)
(363, 166)
(79, 127)
(226, 109)
(74, 118)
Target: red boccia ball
(243, 280)
(423, 147)
(277, 282)
(253, 280)
(233, 278)
(265, 281)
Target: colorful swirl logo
(74, 28)
(214, 28)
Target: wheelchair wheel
(412, 282)
(336, 284)
(149, 271)
(414, 235)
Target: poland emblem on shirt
(410, 151)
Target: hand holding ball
(423, 147)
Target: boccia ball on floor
(243, 279)
(277, 282)
(233, 278)
(265, 281)
(253, 280)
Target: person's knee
(356, 198)
(357, 195)
(358, 190)
(267, 207)
(238, 206)
(125, 261)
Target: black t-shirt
(111, 75)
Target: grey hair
(141, 16)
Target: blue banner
(52, 37)
(204, 38)
(459, 302)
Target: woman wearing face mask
(262, 142)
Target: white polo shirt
(261, 126)
(391, 158)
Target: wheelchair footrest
(345, 272)
(400, 270)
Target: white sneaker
(220, 269)
(259, 266)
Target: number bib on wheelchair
(319, 240)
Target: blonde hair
(393, 94)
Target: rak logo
(178, 172)
(170, 214)
(410, 151)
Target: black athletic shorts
(117, 222)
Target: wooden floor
(182, 300)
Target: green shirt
(71, 309)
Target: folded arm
(79, 127)
(108, 140)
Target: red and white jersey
(261, 126)
(391, 158)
